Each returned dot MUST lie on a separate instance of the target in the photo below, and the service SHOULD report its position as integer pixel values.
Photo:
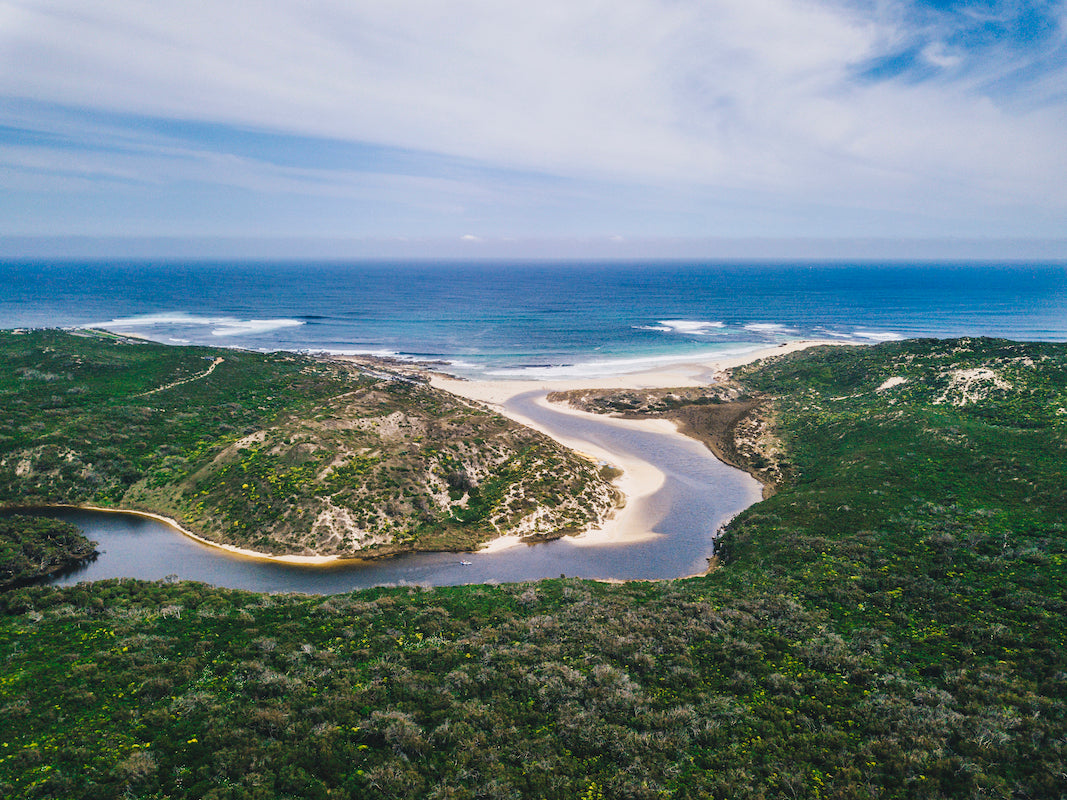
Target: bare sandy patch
(968, 386)
(890, 383)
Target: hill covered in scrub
(278, 452)
(33, 547)
(891, 623)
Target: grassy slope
(890, 624)
(276, 452)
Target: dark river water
(699, 494)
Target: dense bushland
(32, 547)
(890, 624)
(278, 452)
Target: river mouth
(699, 494)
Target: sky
(581, 125)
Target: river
(698, 495)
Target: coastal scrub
(33, 547)
(277, 453)
(891, 623)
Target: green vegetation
(32, 547)
(891, 623)
(275, 452)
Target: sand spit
(639, 478)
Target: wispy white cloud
(772, 99)
(938, 55)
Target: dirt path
(199, 377)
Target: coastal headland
(278, 455)
(309, 460)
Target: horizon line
(471, 248)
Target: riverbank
(229, 548)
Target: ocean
(536, 320)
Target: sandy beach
(229, 548)
(639, 479)
(679, 374)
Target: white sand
(639, 479)
(681, 374)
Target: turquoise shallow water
(529, 320)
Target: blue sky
(477, 121)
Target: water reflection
(699, 494)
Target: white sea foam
(350, 351)
(223, 326)
(617, 366)
(464, 365)
(345, 351)
(245, 327)
(878, 336)
(144, 320)
(694, 327)
(873, 336)
(836, 334)
(769, 327)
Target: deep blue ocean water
(536, 319)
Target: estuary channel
(699, 494)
